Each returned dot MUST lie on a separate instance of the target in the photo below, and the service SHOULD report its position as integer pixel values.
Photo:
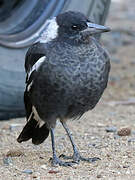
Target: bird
(67, 71)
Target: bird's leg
(55, 159)
(76, 156)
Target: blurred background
(120, 43)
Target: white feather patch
(36, 65)
(29, 86)
(51, 32)
(36, 116)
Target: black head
(72, 24)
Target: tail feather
(40, 134)
(32, 131)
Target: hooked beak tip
(96, 28)
(107, 29)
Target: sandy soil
(115, 110)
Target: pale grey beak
(96, 28)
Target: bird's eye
(75, 27)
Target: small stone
(108, 155)
(41, 157)
(14, 126)
(125, 166)
(27, 171)
(34, 176)
(99, 176)
(116, 136)
(53, 171)
(14, 153)
(132, 140)
(111, 129)
(44, 166)
(92, 145)
(7, 160)
(124, 132)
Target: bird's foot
(77, 158)
(90, 160)
(56, 161)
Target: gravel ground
(114, 112)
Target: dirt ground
(115, 110)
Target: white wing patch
(37, 117)
(50, 32)
(36, 65)
(29, 86)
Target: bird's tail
(33, 131)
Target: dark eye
(75, 27)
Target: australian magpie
(66, 74)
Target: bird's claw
(77, 158)
(57, 161)
(65, 157)
(91, 160)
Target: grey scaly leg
(55, 159)
(76, 156)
